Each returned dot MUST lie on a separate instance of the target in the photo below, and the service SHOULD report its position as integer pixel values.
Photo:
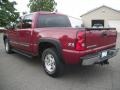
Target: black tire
(7, 46)
(59, 67)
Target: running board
(24, 54)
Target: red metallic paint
(70, 55)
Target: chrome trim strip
(92, 46)
(86, 51)
(101, 47)
(22, 44)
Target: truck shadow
(71, 71)
(75, 75)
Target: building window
(98, 23)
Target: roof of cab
(47, 12)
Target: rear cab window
(56, 20)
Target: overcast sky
(73, 7)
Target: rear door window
(27, 22)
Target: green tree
(8, 13)
(42, 5)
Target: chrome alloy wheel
(50, 63)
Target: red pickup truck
(60, 40)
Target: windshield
(54, 20)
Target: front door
(13, 34)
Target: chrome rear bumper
(96, 58)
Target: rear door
(100, 38)
(25, 34)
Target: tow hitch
(104, 62)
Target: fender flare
(56, 43)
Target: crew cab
(59, 40)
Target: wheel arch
(49, 43)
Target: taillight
(80, 43)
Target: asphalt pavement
(18, 72)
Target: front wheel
(51, 62)
(7, 46)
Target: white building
(104, 15)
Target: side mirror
(10, 27)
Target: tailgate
(100, 37)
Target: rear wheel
(51, 62)
(7, 46)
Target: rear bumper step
(97, 58)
